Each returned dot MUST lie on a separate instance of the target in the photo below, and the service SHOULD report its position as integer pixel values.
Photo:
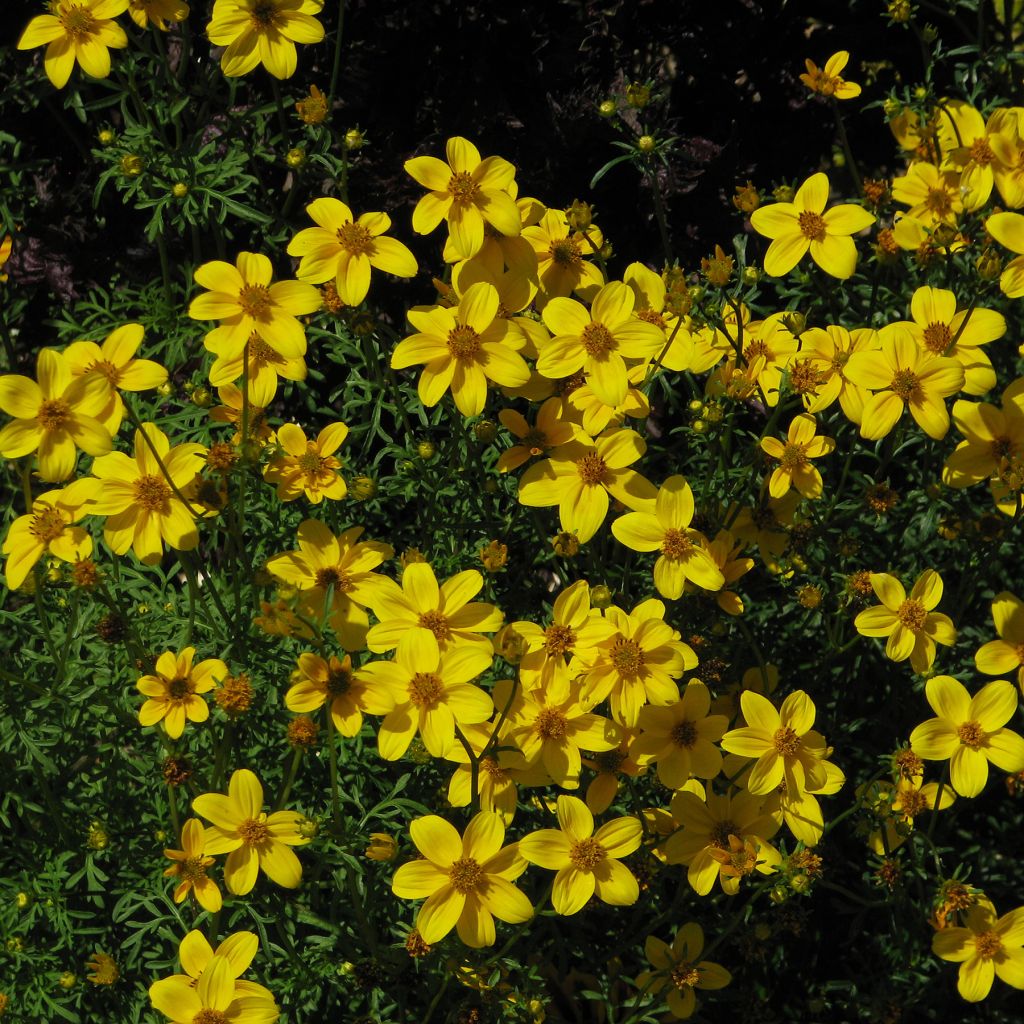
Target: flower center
(208, 1016)
(937, 338)
(179, 688)
(904, 384)
(676, 545)
(265, 15)
(105, 369)
(254, 831)
(794, 455)
(152, 493)
(260, 355)
(254, 299)
(334, 577)
(786, 741)
(552, 724)
(565, 252)
(339, 680)
(437, 623)
(558, 640)
(536, 440)
(755, 349)
(988, 945)
(591, 468)
(465, 875)
(586, 854)
(628, 657)
(971, 734)
(494, 770)
(720, 832)
(913, 803)
(812, 225)
(684, 734)
(463, 342)
(355, 239)
(47, 524)
(78, 21)
(912, 614)
(54, 414)
(938, 201)
(981, 152)
(310, 461)
(609, 761)
(650, 317)
(462, 188)
(426, 690)
(684, 976)
(804, 378)
(192, 869)
(839, 360)
(597, 339)
(1002, 448)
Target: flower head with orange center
(498, 770)
(986, 153)
(157, 12)
(551, 429)
(318, 681)
(826, 352)
(826, 81)
(910, 623)
(987, 948)
(263, 32)
(586, 862)
(253, 840)
(726, 552)
(246, 302)
(189, 865)
(173, 690)
(999, 657)
(794, 456)
(666, 529)
(970, 732)
(467, 880)
(933, 195)
(344, 249)
(804, 224)
(1008, 230)
(467, 192)
(679, 970)
(47, 529)
(308, 467)
(564, 257)
(462, 349)
(76, 30)
(216, 997)
(259, 363)
(994, 438)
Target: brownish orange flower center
(311, 462)
(793, 455)
(179, 688)
(812, 226)
(720, 832)
(355, 239)
(462, 188)
(1002, 447)
(971, 734)
(981, 152)
(937, 337)
(786, 741)
(597, 339)
(628, 657)
(254, 831)
(105, 368)
(254, 300)
(913, 802)
(552, 724)
(684, 976)
(265, 15)
(208, 1016)
(912, 614)
(988, 945)
(426, 690)
(536, 440)
(494, 770)
(78, 21)
(938, 200)
(54, 414)
(463, 342)
(152, 493)
(192, 869)
(904, 384)
(586, 854)
(592, 468)
(566, 253)
(558, 640)
(465, 875)
(676, 545)
(684, 734)
(650, 317)
(438, 624)
(333, 576)
(609, 761)
(339, 678)
(804, 377)
(260, 355)
(47, 524)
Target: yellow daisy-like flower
(231, 412)
(794, 455)
(189, 868)
(468, 193)
(726, 552)
(319, 680)
(173, 690)
(824, 353)
(970, 732)
(197, 955)
(994, 438)
(550, 431)
(47, 529)
(497, 772)
(76, 30)
(216, 996)
(344, 249)
(253, 840)
(985, 153)
(666, 529)
(804, 225)
(1008, 230)
(933, 196)
(827, 80)
(563, 257)
(245, 300)
(264, 366)
(987, 948)
(308, 467)
(157, 12)
(910, 623)
(462, 349)
(263, 32)
(679, 969)
(904, 376)
(586, 861)
(55, 416)
(467, 880)
(998, 657)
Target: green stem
(844, 141)
(336, 66)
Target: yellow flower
(189, 867)
(263, 31)
(246, 302)
(827, 80)
(994, 442)
(969, 731)
(467, 880)
(579, 477)
(586, 861)
(598, 341)
(563, 257)
(47, 529)
(680, 967)
(157, 12)
(1008, 229)
(252, 839)
(1007, 653)
(264, 366)
(79, 30)
(909, 622)
(795, 469)
(214, 997)
(104, 969)
(173, 690)
(903, 375)
(318, 680)
(825, 352)
(933, 196)
(725, 551)
(345, 249)
(550, 431)
(467, 192)
(497, 772)
(987, 948)
(462, 349)
(910, 799)
(804, 225)
(382, 847)
(56, 416)
(683, 555)
(986, 153)
(308, 467)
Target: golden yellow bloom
(173, 690)
(344, 249)
(313, 109)
(985, 152)
(497, 772)
(103, 968)
(819, 376)
(795, 469)
(563, 257)
(189, 867)
(264, 366)
(467, 880)
(933, 195)
(468, 193)
(551, 430)
(308, 467)
(804, 225)
(998, 657)
(263, 31)
(994, 445)
(76, 30)
(57, 416)
(1008, 229)
(47, 529)
(679, 968)
(726, 553)
(586, 861)
(318, 680)
(987, 948)
(157, 12)
(827, 80)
